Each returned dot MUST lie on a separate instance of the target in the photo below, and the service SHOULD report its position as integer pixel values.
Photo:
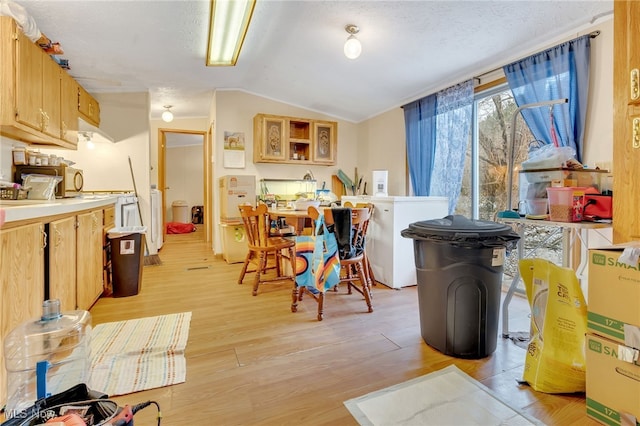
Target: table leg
(514, 283)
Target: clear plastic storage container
(46, 356)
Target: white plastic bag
(548, 157)
(41, 187)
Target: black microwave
(70, 185)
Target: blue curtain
(559, 72)
(420, 129)
(437, 131)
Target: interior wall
(184, 177)
(383, 147)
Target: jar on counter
(33, 158)
(44, 159)
(54, 160)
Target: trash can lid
(460, 228)
(179, 203)
(123, 231)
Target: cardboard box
(613, 309)
(613, 386)
(234, 191)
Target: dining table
(296, 218)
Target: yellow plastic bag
(555, 360)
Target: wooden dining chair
(353, 269)
(370, 207)
(265, 252)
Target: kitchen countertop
(16, 210)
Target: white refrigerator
(391, 255)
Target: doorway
(182, 175)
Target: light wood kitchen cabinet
(626, 121)
(28, 83)
(68, 108)
(290, 140)
(39, 100)
(62, 262)
(88, 107)
(89, 237)
(324, 142)
(37, 95)
(21, 281)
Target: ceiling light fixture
(352, 47)
(88, 136)
(228, 23)
(167, 116)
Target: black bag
(100, 409)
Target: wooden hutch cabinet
(290, 140)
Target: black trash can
(127, 259)
(459, 264)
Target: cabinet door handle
(635, 84)
(58, 237)
(635, 133)
(45, 121)
(41, 119)
(64, 129)
(44, 238)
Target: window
(484, 191)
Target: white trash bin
(180, 210)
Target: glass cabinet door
(324, 142)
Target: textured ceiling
(293, 50)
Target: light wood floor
(251, 361)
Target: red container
(597, 206)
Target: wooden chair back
(354, 269)
(256, 223)
(359, 221)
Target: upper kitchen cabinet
(68, 108)
(269, 139)
(88, 107)
(324, 142)
(289, 140)
(39, 99)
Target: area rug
(445, 397)
(135, 355)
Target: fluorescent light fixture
(228, 25)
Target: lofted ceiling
(293, 49)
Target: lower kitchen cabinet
(62, 262)
(391, 255)
(89, 260)
(21, 281)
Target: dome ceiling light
(352, 47)
(167, 115)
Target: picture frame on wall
(233, 154)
